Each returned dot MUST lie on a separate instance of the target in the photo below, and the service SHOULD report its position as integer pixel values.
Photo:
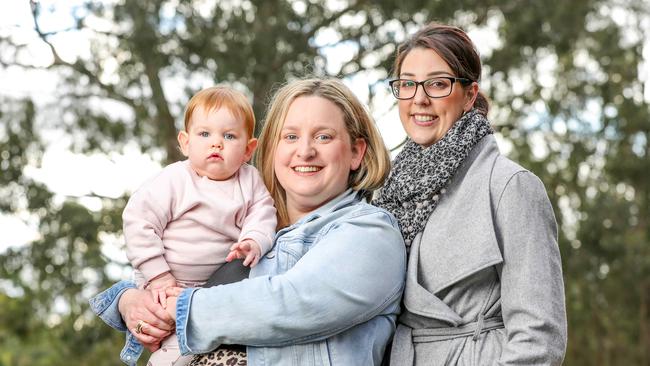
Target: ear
(470, 96)
(183, 142)
(250, 149)
(358, 152)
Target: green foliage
(25, 340)
(565, 83)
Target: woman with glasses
(484, 280)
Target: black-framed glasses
(438, 87)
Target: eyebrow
(433, 73)
(320, 127)
(221, 124)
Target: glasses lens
(438, 87)
(404, 89)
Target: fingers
(159, 297)
(245, 246)
(232, 256)
(253, 252)
(236, 254)
(247, 250)
(138, 307)
(173, 291)
(150, 341)
(151, 326)
(161, 281)
(237, 251)
(158, 317)
(171, 307)
(162, 298)
(252, 258)
(154, 296)
(142, 307)
(248, 259)
(151, 333)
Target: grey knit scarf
(419, 175)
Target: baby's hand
(158, 285)
(247, 249)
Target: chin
(423, 141)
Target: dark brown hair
(454, 46)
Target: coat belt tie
(405, 353)
(470, 329)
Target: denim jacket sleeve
(105, 305)
(354, 272)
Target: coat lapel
(417, 299)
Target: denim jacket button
(270, 255)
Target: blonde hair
(221, 96)
(375, 165)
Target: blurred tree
(568, 97)
(583, 87)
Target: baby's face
(216, 144)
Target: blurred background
(92, 95)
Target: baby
(201, 212)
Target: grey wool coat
(484, 281)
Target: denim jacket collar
(347, 197)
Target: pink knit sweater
(184, 223)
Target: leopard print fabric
(420, 174)
(222, 356)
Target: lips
(306, 168)
(424, 119)
(215, 156)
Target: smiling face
(314, 156)
(217, 143)
(427, 120)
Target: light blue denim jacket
(328, 293)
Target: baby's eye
(204, 134)
(229, 136)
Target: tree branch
(77, 66)
(335, 16)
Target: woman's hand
(172, 295)
(155, 323)
(171, 306)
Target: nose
(217, 143)
(420, 96)
(305, 149)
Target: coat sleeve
(532, 289)
(355, 273)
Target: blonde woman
(328, 292)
